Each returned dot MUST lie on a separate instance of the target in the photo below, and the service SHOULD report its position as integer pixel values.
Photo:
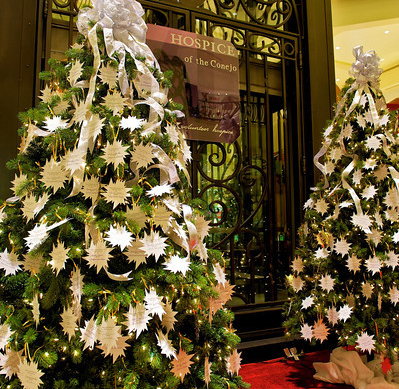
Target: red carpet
(287, 374)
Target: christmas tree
(106, 281)
(345, 274)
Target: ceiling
(373, 24)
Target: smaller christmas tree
(345, 275)
(106, 281)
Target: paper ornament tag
(29, 374)
(165, 345)
(32, 263)
(207, 371)
(119, 236)
(108, 75)
(154, 304)
(181, 364)
(159, 190)
(36, 309)
(9, 262)
(332, 315)
(107, 334)
(68, 322)
(91, 188)
(77, 284)
(5, 334)
(136, 215)
(115, 153)
(153, 244)
(58, 255)
(162, 217)
(234, 362)
(132, 123)
(177, 264)
(98, 255)
(114, 101)
(53, 175)
(345, 312)
(89, 333)
(116, 192)
(46, 94)
(142, 155)
(135, 253)
(74, 160)
(168, 319)
(9, 362)
(52, 124)
(75, 72)
(365, 342)
(220, 275)
(320, 331)
(137, 319)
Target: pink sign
(205, 81)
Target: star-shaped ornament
(207, 371)
(321, 253)
(135, 253)
(108, 75)
(53, 123)
(165, 345)
(392, 198)
(154, 304)
(5, 335)
(234, 362)
(342, 247)
(91, 188)
(153, 244)
(297, 283)
(61, 106)
(306, 332)
(320, 331)
(68, 322)
(173, 133)
(9, 262)
(9, 362)
(357, 176)
(321, 206)
(162, 217)
(115, 153)
(18, 183)
(137, 319)
(374, 236)
(373, 142)
(219, 273)
(75, 72)
(332, 315)
(367, 290)
(309, 204)
(392, 259)
(394, 295)
(159, 190)
(53, 175)
(114, 101)
(381, 173)
(297, 265)
(307, 302)
(181, 364)
(369, 192)
(137, 215)
(169, 319)
(29, 374)
(46, 94)
(370, 164)
(132, 123)
(116, 192)
(363, 221)
(373, 264)
(89, 333)
(344, 313)
(353, 263)
(75, 160)
(76, 284)
(98, 255)
(177, 264)
(91, 129)
(327, 283)
(59, 256)
(107, 334)
(119, 236)
(32, 263)
(365, 342)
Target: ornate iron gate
(252, 187)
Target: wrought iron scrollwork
(273, 13)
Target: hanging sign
(205, 81)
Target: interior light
(387, 32)
(337, 48)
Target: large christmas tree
(106, 281)
(345, 276)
